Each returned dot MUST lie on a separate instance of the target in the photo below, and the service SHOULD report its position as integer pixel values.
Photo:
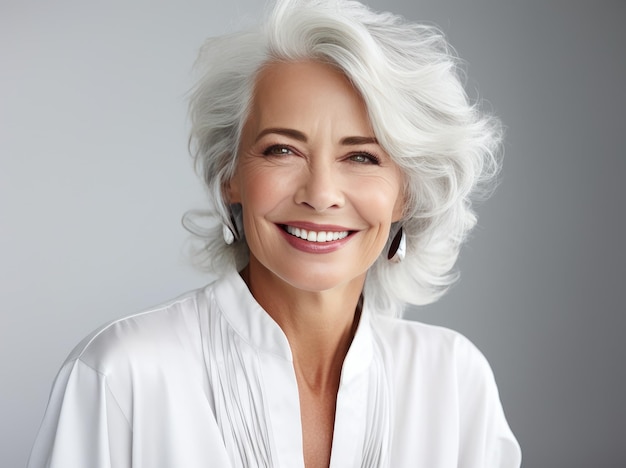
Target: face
(318, 193)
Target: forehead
(294, 92)
(301, 73)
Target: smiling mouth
(315, 236)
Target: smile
(316, 236)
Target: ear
(398, 208)
(232, 190)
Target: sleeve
(83, 425)
(486, 439)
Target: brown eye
(277, 150)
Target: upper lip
(316, 227)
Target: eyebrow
(297, 135)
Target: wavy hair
(412, 85)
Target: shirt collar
(256, 327)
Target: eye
(364, 158)
(277, 150)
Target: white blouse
(207, 380)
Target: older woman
(340, 151)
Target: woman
(340, 151)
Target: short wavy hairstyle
(413, 87)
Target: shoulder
(409, 336)
(168, 329)
(428, 347)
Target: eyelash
(371, 158)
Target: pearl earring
(231, 231)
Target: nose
(320, 188)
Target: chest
(317, 414)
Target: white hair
(411, 83)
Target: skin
(308, 157)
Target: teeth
(316, 236)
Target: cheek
(262, 190)
(381, 202)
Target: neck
(319, 325)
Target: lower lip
(314, 247)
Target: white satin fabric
(207, 380)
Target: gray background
(94, 177)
